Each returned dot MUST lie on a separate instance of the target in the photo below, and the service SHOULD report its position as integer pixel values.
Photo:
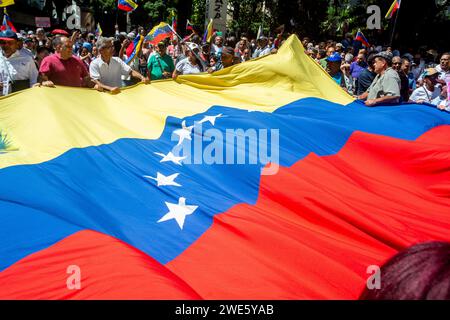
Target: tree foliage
(314, 18)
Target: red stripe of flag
(313, 232)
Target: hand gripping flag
(360, 37)
(159, 33)
(392, 9)
(127, 5)
(140, 195)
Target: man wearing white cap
(191, 64)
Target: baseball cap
(30, 33)
(88, 46)
(408, 56)
(335, 57)
(339, 45)
(192, 46)
(131, 35)
(8, 35)
(385, 55)
(60, 32)
(430, 72)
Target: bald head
(63, 46)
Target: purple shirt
(356, 69)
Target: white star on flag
(211, 119)
(170, 157)
(183, 133)
(163, 180)
(178, 212)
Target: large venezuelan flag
(87, 179)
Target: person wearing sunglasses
(106, 71)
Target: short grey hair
(103, 41)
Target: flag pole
(395, 23)
(182, 42)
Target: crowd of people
(373, 74)
(380, 75)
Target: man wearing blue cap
(334, 68)
(17, 69)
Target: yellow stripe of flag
(43, 123)
(5, 3)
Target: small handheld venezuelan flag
(360, 37)
(159, 33)
(127, 5)
(98, 31)
(394, 7)
(7, 23)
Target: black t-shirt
(364, 81)
(404, 86)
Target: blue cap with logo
(334, 57)
(8, 35)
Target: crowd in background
(375, 74)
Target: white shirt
(441, 101)
(185, 67)
(19, 66)
(262, 52)
(424, 94)
(442, 73)
(109, 74)
(27, 51)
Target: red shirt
(70, 72)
